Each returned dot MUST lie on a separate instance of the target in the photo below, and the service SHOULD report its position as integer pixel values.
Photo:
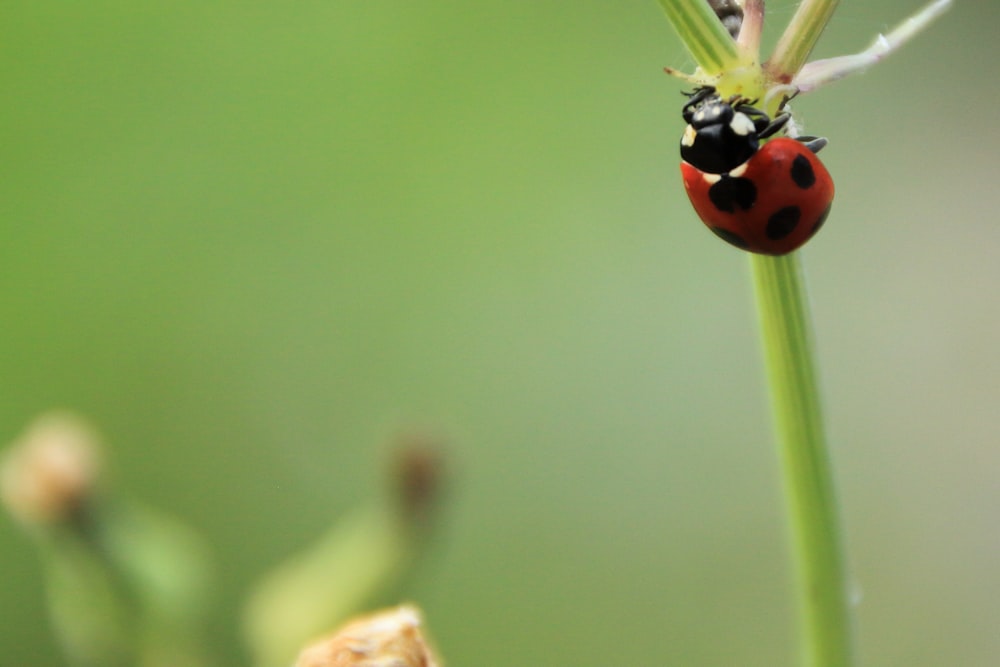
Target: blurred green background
(252, 240)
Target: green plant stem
(821, 575)
(703, 34)
(800, 37)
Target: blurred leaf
(319, 588)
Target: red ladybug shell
(771, 204)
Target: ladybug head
(723, 134)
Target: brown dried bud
(389, 638)
(730, 12)
(50, 471)
(418, 472)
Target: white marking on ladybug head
(689, 134)
(741, 125)
(711, 179)
(740, 170)
(709, 113)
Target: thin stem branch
(753, 27)
(799, 38)
(821, 575)
(821, 72)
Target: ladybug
(766, 199)
(723, 134)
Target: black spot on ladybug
(782, 222)
(821, 219)
(730, 237)
(802, 172)
(727, 193)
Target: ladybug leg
(763, 125)
(760, 119)
(788, 93)
(774, 126)
(698, 94)
(815, 144)
(695, 97)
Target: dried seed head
(730, 12)
(389, 638)
(418, 475)
(49, 472)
